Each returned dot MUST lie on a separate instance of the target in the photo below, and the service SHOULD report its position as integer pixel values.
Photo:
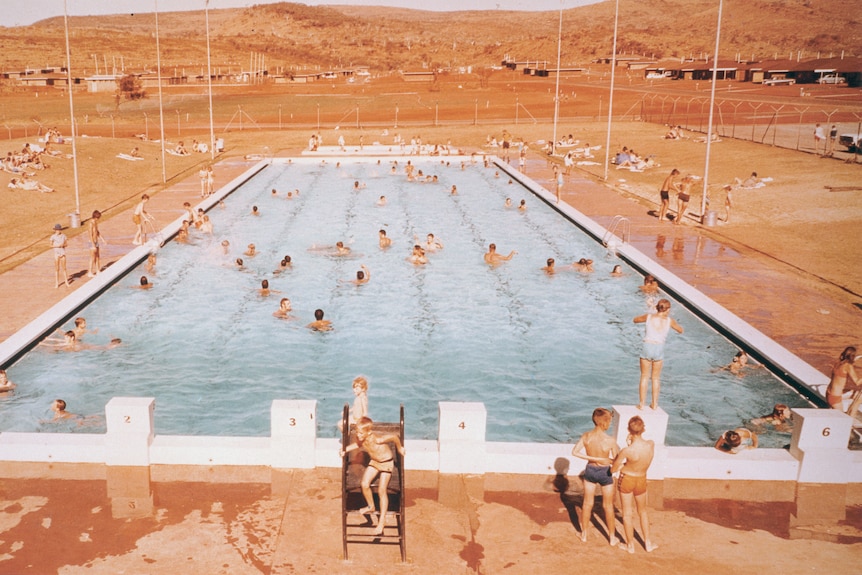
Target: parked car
(850, 141)
(832, 79)
(779, 80)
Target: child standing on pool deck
(601, 449)
(382, 462)
(652, 356)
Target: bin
(711, 218)
(75, 220)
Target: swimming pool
(541, 352)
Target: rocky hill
(296, 36)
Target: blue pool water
(541, 352)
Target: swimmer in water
(264, 290)
(383, 240)
(494, 259)
(417, 256)
(362, 276)
(583, 265)
(5, 384)
(144, 283)
(320, 324)
(549, 267)
(432, 244)
(284, 309)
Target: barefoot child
(632, 463)
(652, 354)
(601, 449)
(382, 462)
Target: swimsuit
(654, 338)
(636, 484)
(57, 241)
(683, 197)
(665, 195)
(600, 474)
(387, 466)
(835, 400)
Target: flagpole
(557, 87)
(611, 96)
(72, 116)
(210, 81)
(711, 112)
(161, 110)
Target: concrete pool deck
(166, 519)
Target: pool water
(540, 351)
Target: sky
(28, 11)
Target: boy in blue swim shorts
(601, 449)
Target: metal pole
(71, 110)
(161, 109)
(210, 82)
(711, 111)
(557, 85)
(611, 95)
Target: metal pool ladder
(619, 224)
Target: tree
(131, 88)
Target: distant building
(102, 82)
(427, 76)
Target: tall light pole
(210, 83)
(72, 114)
(711, 112)
(557, 87)
(611, 96)
(161, 109)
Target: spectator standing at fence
(833, 135)
(819, 137)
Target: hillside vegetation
(294, 36)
